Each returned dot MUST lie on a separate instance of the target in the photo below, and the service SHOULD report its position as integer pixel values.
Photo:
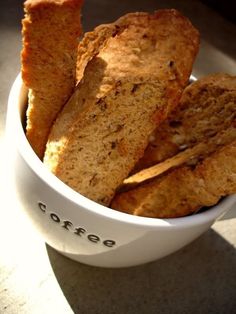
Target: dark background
(226, 8)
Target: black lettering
(42, 206)
(80, 231)
(109, 243)
(55, 217)
(67, 224)
(93, 238)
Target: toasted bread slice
(127, 89)
(92, 43)
(50, 39)
(191, 156)
(207, 106)
(184, 190)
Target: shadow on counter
(200, 278)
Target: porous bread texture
(206, 107)
(205, 120)
(50, 38)
(127, 89)
(91, 44)
(190, 156)
(183, 190)
(146, 34)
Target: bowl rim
(17, 92)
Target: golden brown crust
(128, 88)
(207, 106)
(180, 68)
(205, 123)
(50, 37)
(183, 190)
(190, 156)
(35, 4)
(91, 44)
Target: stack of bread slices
(122, 125)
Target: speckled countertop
(34, 278)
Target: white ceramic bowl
(82, 229)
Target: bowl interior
(15, 130)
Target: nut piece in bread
(207, 106)
(184, 190)
(50, 38)
(127, 89)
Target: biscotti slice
(183, 190)
(127, 89)
(92, 43)
(50, 39)
(190, 156)
(207, 106)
